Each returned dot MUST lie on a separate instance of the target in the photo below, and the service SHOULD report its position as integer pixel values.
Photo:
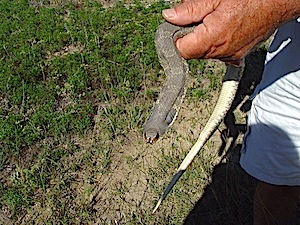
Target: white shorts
(271, 147)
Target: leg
(274, 204)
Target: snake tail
(169, 188)
(227, 94)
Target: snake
(172, 93)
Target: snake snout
(151, 135)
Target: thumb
(190, 11)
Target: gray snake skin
(170, 97)
(176, 70)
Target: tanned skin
(228, 28)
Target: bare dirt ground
(224, 197)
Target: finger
(191, 11)
(237, 58)
(195, 44)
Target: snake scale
(166, 107)
(176, 70)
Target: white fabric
(271, 148)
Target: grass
(77, 82)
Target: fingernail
(169, 13)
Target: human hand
(228, 29)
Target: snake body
(166, 107)
(176, 70)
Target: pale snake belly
(166, 107)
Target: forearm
(287, 9)
(282, 11)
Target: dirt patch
(125, 189)
(70, 49)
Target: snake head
(151, 135)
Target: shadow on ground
(228, 199)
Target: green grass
(77, 82)
(50, 94)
